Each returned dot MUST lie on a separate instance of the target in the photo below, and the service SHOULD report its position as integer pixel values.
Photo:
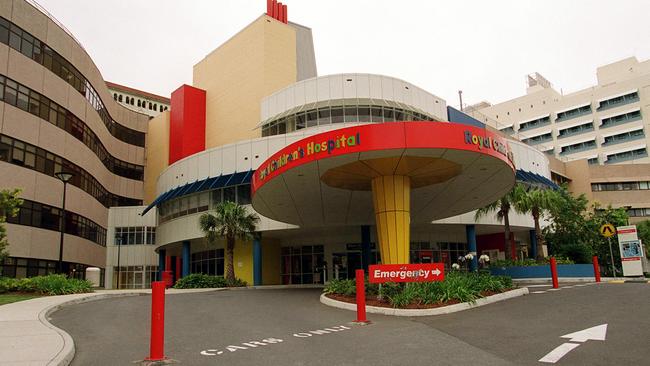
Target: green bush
(578, 253)
(200, 280)
(46, 285)
(457, 286)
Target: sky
(484, 48)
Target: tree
(9, 206)
(536, 202)
(230, 221)
(502, 209)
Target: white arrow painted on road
(597, 333)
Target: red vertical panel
(269, 7)
(280, 9)
(168, 263)
(276, 9)
(187, 122)
(284, 14)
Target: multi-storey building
(56, 114)
(138, 100)
(604, 124)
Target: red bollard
(596, 269)
(157, 343)
(361, 297)
(554, 273)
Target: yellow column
(391, 198)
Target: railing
(56, 21)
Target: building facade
(604, 124)
(138, 100)
(57, 115)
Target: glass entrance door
(302, 265)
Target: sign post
(630, 248)
(608, 230)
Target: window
(208, 262)
(592, 161)
(534, 123)
(581, 146)
(115, 96)
(627, 155)
(138, 102)
(119, 98)
(538, 139)
(576, 130)
(619, 101)
(573, 113)
(624, 137)
(620, 119)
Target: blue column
(257, 260)
(533, 244)
(470, 230)
(161, 262)
(365, 247)
(186, 258)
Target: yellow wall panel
(243, 261)
(156, 154)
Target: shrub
(578, 253)
(457, 286)
(59, 285)
(200, 280)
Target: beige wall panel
(636, 199)
(81, 203)
(2, 111)
(20, 240)
(25, 71)
(53, 139)
(76, 249)
(157, 154)
(4, 58)
(56, 89)
(49, 190)
(5, 9)
(618, 173)
(29, 18)
(21, 125)
(254, 63)
(45, 244)
(14, 176)
(578, 171)
(58, 40)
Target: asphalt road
(291, 327)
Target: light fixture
(64, 176)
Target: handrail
(40, 8)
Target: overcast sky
(483, 47)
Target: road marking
(584, 284)
(268, 341)
(553, 289)
(559, 352)
(538, 292)
(597, 333)
(538, 286)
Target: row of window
(620, 119)
(208, 262)
(627, 155)
(573, 113)
(31, 267)
(638, 212)
(619, 101)
(141, 103)
(339, 114)
(200, 202)
(538, 139)
(23, 42)
(581, 146)
(620, 186)
(29, 156)
(134, 276)
(135, 235)
(534, 123)
(39, 105)
(36, 214)
(576, 130)
(624, 137)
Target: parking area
(291, 327)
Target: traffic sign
(381, 273)
(607, 230)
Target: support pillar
(365, 247)
(470, 231)
(161, 263)
(257, 260)
(178, 270)
(533, 244)
(186, 258)
(391, 196)
(168, 263)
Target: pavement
(27, 338)
(291, 327)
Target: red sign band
(381, 273)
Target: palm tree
(502, 207)
(230, 221)
(535, 201)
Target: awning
(534, 179)
(206, 184)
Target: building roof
(137, 92)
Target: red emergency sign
(427, 272)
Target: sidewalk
(28, 338)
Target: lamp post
(65, 178)
(119, 247)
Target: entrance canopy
(429, 170)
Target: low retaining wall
(426, 312)
(563, 270)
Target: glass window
(244, 194)
(324, 116)
(376, 114)
(337, 115)
(312, 119)
(364, 114)
(351, 114)
(229, 194)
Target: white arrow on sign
(436, 272)
(597, 333)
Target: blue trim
(534, 179)
(470, 231)
(161, 263)
(206, 184)
(257, 262)
(186, 258)
(533, 244)
(563, 270)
